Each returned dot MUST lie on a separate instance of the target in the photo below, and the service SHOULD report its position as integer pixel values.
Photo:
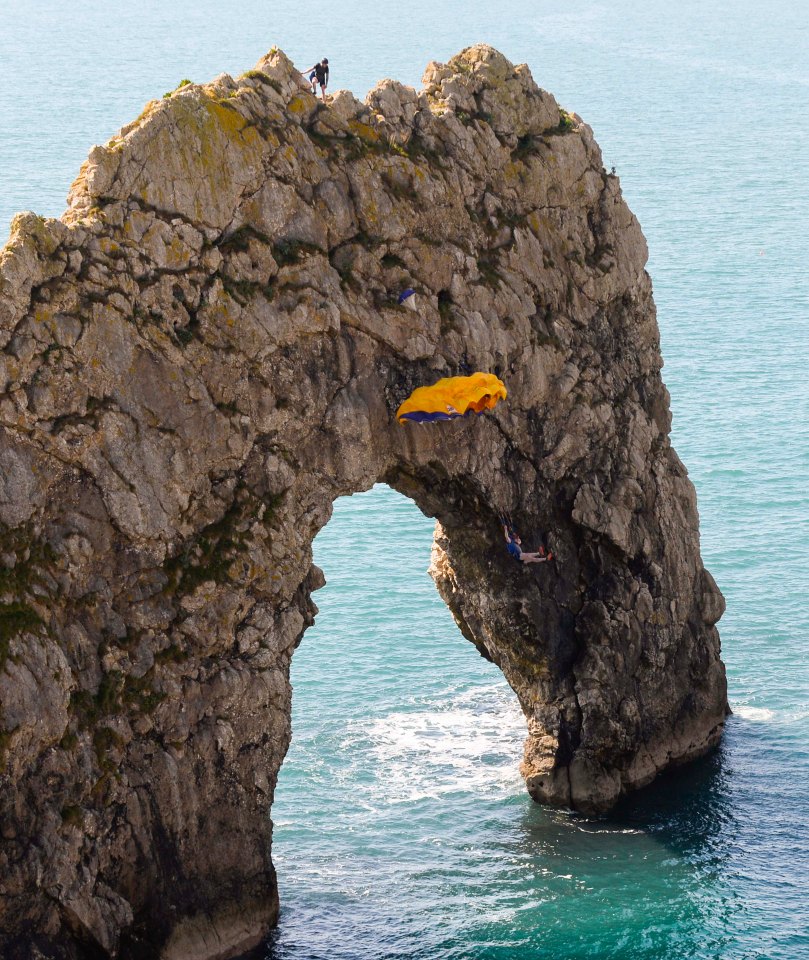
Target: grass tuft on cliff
(183, 83)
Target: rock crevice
(199, 357)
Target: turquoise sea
(401, 826)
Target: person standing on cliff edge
(318, 74)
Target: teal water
(401, 826)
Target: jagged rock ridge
(199, 357)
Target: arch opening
(402, 738)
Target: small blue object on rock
(407, 298)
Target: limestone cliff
(199, 357)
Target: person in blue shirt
(514, 547)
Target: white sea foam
(471, 741)
(589, 826)
(754, 714)
(766, 715)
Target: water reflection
(641, 883)
(688, 808)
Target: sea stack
(201, 355)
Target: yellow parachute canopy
(452, 397)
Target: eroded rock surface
(206, 351)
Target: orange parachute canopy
(452, 397)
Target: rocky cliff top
(199, 357)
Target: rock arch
(199, 357)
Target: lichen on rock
(199, 357)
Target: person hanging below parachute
(514, 545)
(452, 397)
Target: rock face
(199, 357)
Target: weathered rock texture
(206, 351)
